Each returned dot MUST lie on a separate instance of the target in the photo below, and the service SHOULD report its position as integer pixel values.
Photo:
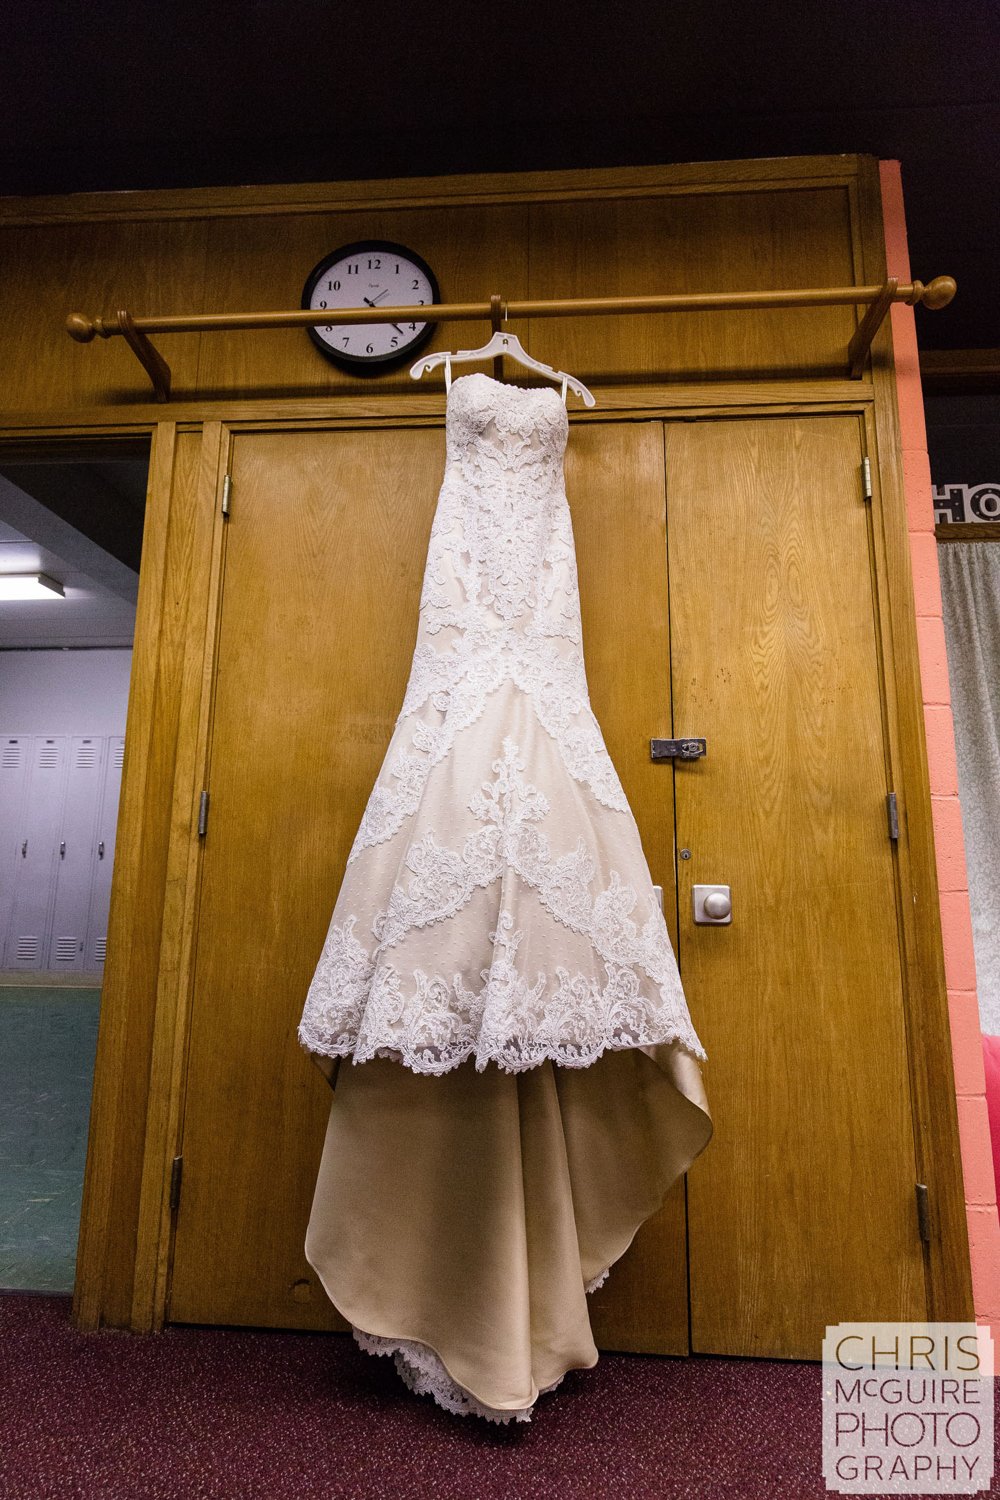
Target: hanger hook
(496, 318)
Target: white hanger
(501, 343)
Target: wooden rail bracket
(151, 359)
(860, 345)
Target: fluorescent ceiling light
(30, 586)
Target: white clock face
(378, 277)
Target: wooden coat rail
(135, 331)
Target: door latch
(676, 749)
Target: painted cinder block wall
(949, 846)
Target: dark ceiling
(112, 96)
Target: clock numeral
(322, 304)
(376, 264)
(346, 342)
(395, 341)
(332, 286)
(397, 268)
(413, 327)
(416, 285)
(369, 349)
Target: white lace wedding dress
(496, 937)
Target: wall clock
(371, 272)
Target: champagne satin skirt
(458, 1220)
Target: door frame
(189, 635)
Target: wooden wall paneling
(706, 241)
(105, 1259)
(452, 190)
(483, 249)
(200, 583)
(756, 223)
(48, 272)
(935, 1108)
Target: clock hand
(378, 299)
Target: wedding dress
(524, 1083)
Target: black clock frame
(374, 363)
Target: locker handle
(100, 850)
(62, 849)
(24, 849)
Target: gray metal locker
(104, 854)
(75, 853)
(34, 864)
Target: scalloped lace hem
(508, 1060)
(424, 1372)
(591, 1286)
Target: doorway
(71, 525)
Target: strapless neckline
(529, 390)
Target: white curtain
(970, 591)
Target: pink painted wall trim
(956, 923)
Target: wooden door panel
(321, 585)
(802, 1210)
(615, 485)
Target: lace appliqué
(500, 601)
(360, 1005)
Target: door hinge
(923, 1213)
(892, 812)
(176, 1169)
(227, 490)
(203, 815)
(866, 478)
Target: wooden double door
(728, 585)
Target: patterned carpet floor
(247, 1415)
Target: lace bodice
(500, 598)
(501, 554)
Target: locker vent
(119, 755)
(48, 756)
(100, 948)
(26, 949)
(86, 754)
(65, 950)
(13, 755)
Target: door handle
(712, 905)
